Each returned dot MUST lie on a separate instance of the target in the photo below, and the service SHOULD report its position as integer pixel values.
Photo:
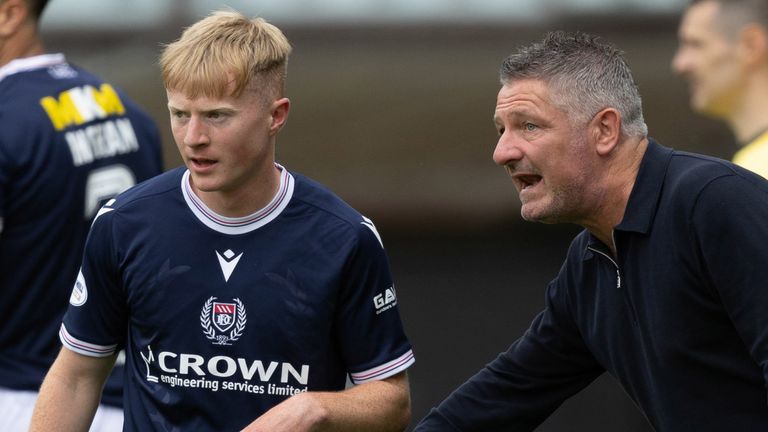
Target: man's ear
(279, 115)
(753, 45)
(13, 13)
(605, 130)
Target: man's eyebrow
(205, 111)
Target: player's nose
(196, 132)
(680, 62)
(507, 150)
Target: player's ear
(605, 130)
(753, 44)
(13, 13)
(279, 115)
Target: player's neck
(618, 180)
(244, 200)
(750, 119)
(25, 43)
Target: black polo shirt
(679, 316)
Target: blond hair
(225, 54)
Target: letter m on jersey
(223, 315)
(82, 104)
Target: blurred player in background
(723, 53)
(664, 289)
(68, 142)
(247, 293)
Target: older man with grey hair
(664, 289)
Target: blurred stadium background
(392, 106)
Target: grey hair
(585, 75)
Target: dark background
(397, 120)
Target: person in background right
(723, 53)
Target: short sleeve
(368, 326)
(95, 322)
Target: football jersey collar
(245, 224)
(31, 63)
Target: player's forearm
(69, 397)
(375, 406)
(379, 406)
(62, 406)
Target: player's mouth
(524, 182)
(201, 164)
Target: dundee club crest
(223, 316)
(223, 322)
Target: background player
(664, 288)
(723, 53)
(247, 293)
(68, 142)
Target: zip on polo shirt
(625, 294)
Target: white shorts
(16, 408)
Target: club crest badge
(223, 322)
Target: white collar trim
(245, 224)
(31, 63)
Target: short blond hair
(224, 54)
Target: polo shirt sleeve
(95, 321)
(520, 388)
(730, 223)
(369, 330)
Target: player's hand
(299, 413)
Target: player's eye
(217, 115)
(529, 127)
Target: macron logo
(228, 261)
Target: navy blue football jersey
(68, 142)
(223, 318)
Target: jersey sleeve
(95, 322)
(524, 385)
(370, 332)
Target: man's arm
(524, 385)
(730, 224)
(374, 406)
(70, 393)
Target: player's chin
(538, 211)
(702, 105)
(529, 212)
(205, 183)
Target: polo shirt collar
(644, 199)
